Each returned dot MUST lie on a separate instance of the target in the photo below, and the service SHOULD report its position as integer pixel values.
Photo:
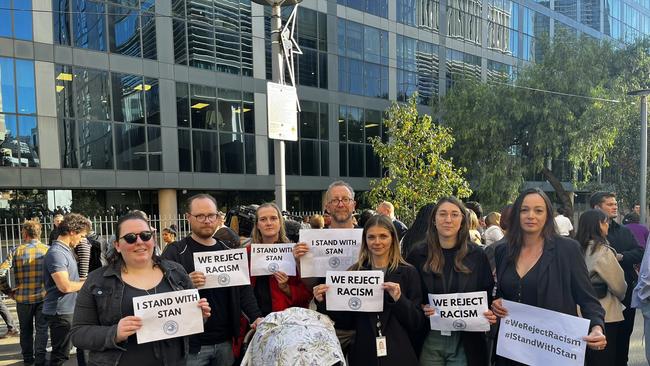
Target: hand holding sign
(198, 279)
(355, 291)
(127, 327)
(596, 339)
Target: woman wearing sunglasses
(103, 317)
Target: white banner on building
(267, 259)
(168, 315)
(460, 312)
(223, 268)
(329, 250)
(536, 336)
(355, 291)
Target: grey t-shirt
(59, 258)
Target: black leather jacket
(97, 313)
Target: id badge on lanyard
(380, 341)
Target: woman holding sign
(450, 264)
(103, 317)
(277, 291)
(538, 267)
(383, 338)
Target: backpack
(95, 252)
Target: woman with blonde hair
(401, 318)
(474, 234)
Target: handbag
(600, 288)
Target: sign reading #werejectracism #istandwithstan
(355, 291)
(329, 250)
(267, 259)
(168, 315)
(223, 268)
(536, 336)
(460, 312)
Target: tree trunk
(563, 195)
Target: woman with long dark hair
(607, 278)
(401, 318)
(450, 263)
(417, 233)
(540, 268)
(104, 322)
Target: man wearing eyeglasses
(61, 277)
(213, 346)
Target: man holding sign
(135, 310)
(214, 345)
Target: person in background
(169, 234)
(387, 209)
(607, 279)
(636, 208)
(417, 234)
(401, 318)
(365, 216)
(538, 267)
(26, 263)
(56, 221)
(493, 233)
(640, 231)
(221, 220)
(641, 300)
(629, 254)
(563, 224)
(306, 222)
(105, 324)
(228, 236)
(478, 210)
(450, 263)
(317, 222)
(474, 234)
(62, 282)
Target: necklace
(155, 290)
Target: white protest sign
(329, 250)
(355, 291)
(168, 315)
(536, 336)
(460, 312)
(267, 259)
(223, 268)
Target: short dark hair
(598, 197)
(188, 203)
(74, 222)
(476, 207)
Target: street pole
(277, 75)
(643, 93)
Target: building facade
(151, 100)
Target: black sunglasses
(131, 238)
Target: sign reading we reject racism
(461, 311)
(223, 268)
(355, 291)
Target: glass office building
(162, 98)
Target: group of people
(521, 257)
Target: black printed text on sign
(168, 315)
(329, 250)
(223, 268)
(267, 259)
(459, 312)
(355, 291)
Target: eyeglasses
(455, 215)
(202, 217)
(336, 201)
(131, 238)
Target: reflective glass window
(292, 157)
(128, 100)
(343, 159)
(68, 142)
(406, 11)
(231, 150)
(151, 92)
(373, 164)
(91, 94)
(7, 85)
(23, 19)
(180, 42)
(356, 153)
(10, 145)
(249, 145)
(309, 158)
(308, 119)
(154, 145)
(248, 112)
(374, 7)
(324, 159)
(89, 25)
(178, 8)
(182, 105)
(130, 146)
(205, 146)
(123, 31)
(230, 112)
(5, 18)
(308, 68)
(324, 121)
(355, 124)
(464, 20)
(149, 49)
(184, 150)
(342, 122)
(26, 88)
(95, 145)
(64, 91)
(203, 104)
(61, 21)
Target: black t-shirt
(143, 354)
(449, 280)
(217, 328)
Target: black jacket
(400, 321)
(98, 310)
(563, 280)
(242, 299)
(622, 239)
(479, 279)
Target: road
(10, 348)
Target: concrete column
(167, 207)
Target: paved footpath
(10, 348)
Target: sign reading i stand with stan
(282, 108)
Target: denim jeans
(6, 315)
(645, 310)
(60, 325)
(32, 343)
(219, 354)
(439, 350)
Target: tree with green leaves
(417, 170)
